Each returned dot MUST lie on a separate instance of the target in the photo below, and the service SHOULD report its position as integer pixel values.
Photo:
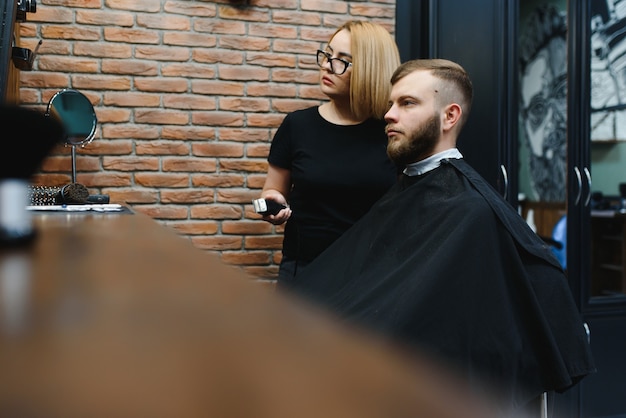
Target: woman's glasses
(338, 66)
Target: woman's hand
(282, 216)
(277, 186)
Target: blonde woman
(328, 164)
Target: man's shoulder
(504, 212)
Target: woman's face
(333, 85)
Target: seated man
(444, 264)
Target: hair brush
(72, 194)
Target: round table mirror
(75, 112)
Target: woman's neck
(339, 114)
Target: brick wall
(188, 95)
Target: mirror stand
(73, 163)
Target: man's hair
(455, 85)
(545, 23)
(375, 56)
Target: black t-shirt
(337, 173)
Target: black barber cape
(443, 263)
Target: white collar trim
(432, 162)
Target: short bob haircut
(375, 57)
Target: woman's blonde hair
(375, 57)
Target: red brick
(123, 163)
(219, 211)
(191, 8)
(217, 243)
(135, 5)
(161, 148)
(246, 227)
(273, 242)
(245, 257)
(194, 228)
(217, 149)
(218, 180)
(186, 196)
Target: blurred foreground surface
(113, 315)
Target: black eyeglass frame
(323, 56)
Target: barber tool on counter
(77, 194)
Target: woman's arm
(277, 186)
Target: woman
(328, 164)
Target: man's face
(413, 122)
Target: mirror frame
(78, 108)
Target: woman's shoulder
(305, 113)
(306, 118)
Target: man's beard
(418, 145)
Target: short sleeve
(280, 150)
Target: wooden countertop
(114, 315)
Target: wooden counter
(114, 315)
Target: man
(445, 265)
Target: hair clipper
(267, 206)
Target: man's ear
(452, 115)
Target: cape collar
(430, 163)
